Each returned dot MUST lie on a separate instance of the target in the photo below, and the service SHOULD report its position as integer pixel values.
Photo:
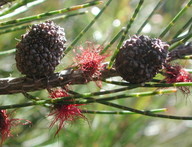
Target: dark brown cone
(141, 58)
(40, 50)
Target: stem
(45, 15)
(172, 22)
(84, 95)
(70, 47)
(186, 57)
(179, 84)
(112, 41)
(147, 113)
(65, 101)
(129, 24)
(26, 26)
(122, 112)
(180, 42)
(8, 52)
(183, 28)
(18, 5)
(151, 14)
(121, 96)
(180, 38)
(180, 52)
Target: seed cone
(140, 58)
(40, 50)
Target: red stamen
(6, 124)
(63, 113)
(90, 60)
(175, 74)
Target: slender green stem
(91, 98)
(190, 28)
(30, 97)
(129, 24)
(26, 26)
(113, 40)
(180, 42)
(172, 22)
(84, 95)
(65, 101)
(142, 94)
(147, 113)
(7, 52)
(178, 84)
(19, 21)
(111, 105)
(70, 47)
(144, 112)
(183, 28)
(180, 38)
(18, 5)
(13, 29)
(151, 14)
(187, 57)
(122, 112)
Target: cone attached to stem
(40, 50)
(141, 58)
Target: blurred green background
(102, 130)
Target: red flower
(63, 113)
(6, 123)
(175, 74)
(90, 60)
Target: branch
(180, 51)
(3, 2)
(69, 76)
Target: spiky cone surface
(40, 49)
(140, 58)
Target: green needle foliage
(123, 112)
(125, 33)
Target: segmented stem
(178, 84)
(189, 22)
(64, 100)
(129, 24)
(187, 57)
(147, 113)
(18, 5)
(26, 26)
(172, 22)
(122, 112)
(113, 40)
(70, 47)
(8, 52)
(180, 38)
(151, 14)
(84, 95)
(19, 21)
(180, 42)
